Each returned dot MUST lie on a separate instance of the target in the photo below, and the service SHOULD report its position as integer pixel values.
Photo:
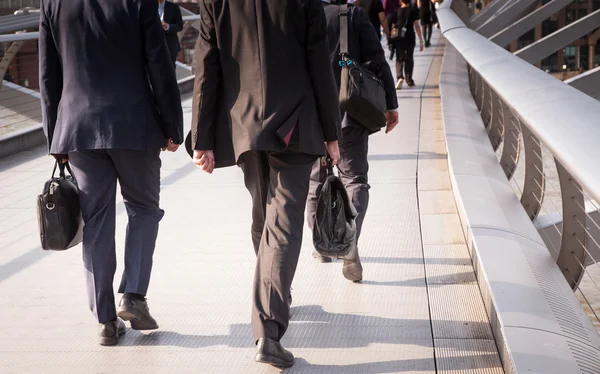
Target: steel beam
(508, 16)
(543, 48)
(514, 31)
(588, 83)
(496, 9)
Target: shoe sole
(271, 360)
(135, 322)
(112, 340)
(399, 84)
(323, 259)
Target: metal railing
(547, 138)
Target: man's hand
(333, 150)
(165, 26)
(171, 147)
(391, 120)
(205, 160)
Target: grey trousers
(278, 184)
(353, 171)
(97, 173)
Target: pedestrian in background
(406, 16)
(172, 23)
(110, 102)
(353, 167)
(374, 9)
(426, 16)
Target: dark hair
(406, 2)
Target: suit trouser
(97, 173)
(353, 171)
(278, 183)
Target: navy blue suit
(110, 100)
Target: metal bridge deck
(418, 310)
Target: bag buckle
(345, 63)
(50, 206)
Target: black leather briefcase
(334, 230)
(59, 213)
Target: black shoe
(410, 83)
(269, 351)
(110, 332)
(322, 259)
(137, 312)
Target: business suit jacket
(363, 46)
(172, 16)
(106, 79)
(262, 71)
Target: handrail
(7, 38)
(562, 117)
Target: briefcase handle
(62, 165)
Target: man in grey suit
(265, 98)
(110, 102)
(363, 46)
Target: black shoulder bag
(362, 94)
(59, 213)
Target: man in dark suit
(172, 23)
(265, 98)
(363, 46)
(110, 102)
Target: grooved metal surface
(441, 229)
(457, 311)
(437, 202)
(467, 356)
(448, 264)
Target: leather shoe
(110, 332)
(269, 351)
(352, 270)
(137, 312)
(320, 258)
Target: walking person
(408, 17)
(265, 98)
(376, 13)
(172, 23)
(390, 7)
(426, 16)
(353, 167)
(110, 102)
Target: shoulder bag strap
(344, 31)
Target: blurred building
(583, 54)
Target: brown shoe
(268, 351)
(110, 332)
(137, 312)
(353, 270)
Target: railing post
(512, 143)
(9, 55)
(574, 231)
(535, 181)
(495, 128)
